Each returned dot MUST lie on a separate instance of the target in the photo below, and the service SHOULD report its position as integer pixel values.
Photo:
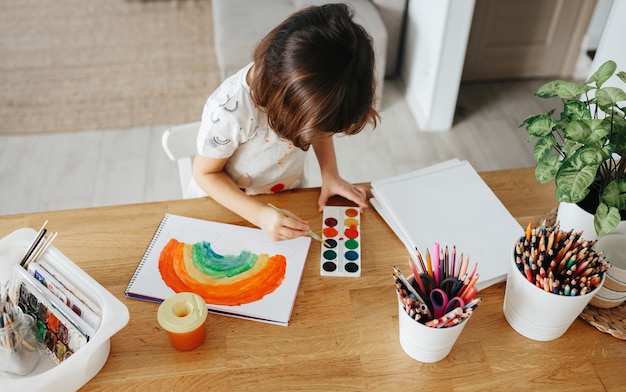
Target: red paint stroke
(351, 233)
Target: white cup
(613, 247)
(426, 344)
(538, 314)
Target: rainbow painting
(220, 279)
(237, 270)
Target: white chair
(179, 143)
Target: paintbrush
(41, 250)
(33, 246)
(310, 233)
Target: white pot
(571, 216)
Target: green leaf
(529, 119)
(548, 90)
(540, 125)
(618, 137)
(561, 196)
(575, 110)
(547, 168)
(590, 131)
(606, 219)
(574, 177)
(544, 147)
(613, 117)
(561, 89)
(609, 96)
(594, 155)
(603, 73)
(622, 76)
(606, 153)
(570, 147)
(614, 194)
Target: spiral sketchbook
(238, 270)
(449, 203)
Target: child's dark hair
(315, 73)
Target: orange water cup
(183, 316)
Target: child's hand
(358, 194)
(282, 225)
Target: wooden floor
(121, 166)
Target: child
(311, 77)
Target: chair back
(179, 144)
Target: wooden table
(343, 334)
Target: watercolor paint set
(62, 331)
(75, 301)
(341, 245)
(74, 314)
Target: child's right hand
(283, 225)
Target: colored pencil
(560, 262)
(416, 275)
(436, 263)
(414, 296)
(429, 264)
(421, 260)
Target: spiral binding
(147, 253)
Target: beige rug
(69, 65)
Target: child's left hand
(358, 194)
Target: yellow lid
(182, 312)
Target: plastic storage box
(83, 365)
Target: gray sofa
(240, 24)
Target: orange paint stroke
(330, 232)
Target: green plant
(582, 149)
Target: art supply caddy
(71, 316)
(414, 212)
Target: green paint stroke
(221, 266)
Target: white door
(525, 38)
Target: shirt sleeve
(220, 132)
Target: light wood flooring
(96, 168)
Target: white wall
(436, 39)
(591, 40)
(597, 23)
(611, 46)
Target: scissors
(428, 283)
(441, 304)
(450, 285)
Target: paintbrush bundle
(20, 350)
(38, 246)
